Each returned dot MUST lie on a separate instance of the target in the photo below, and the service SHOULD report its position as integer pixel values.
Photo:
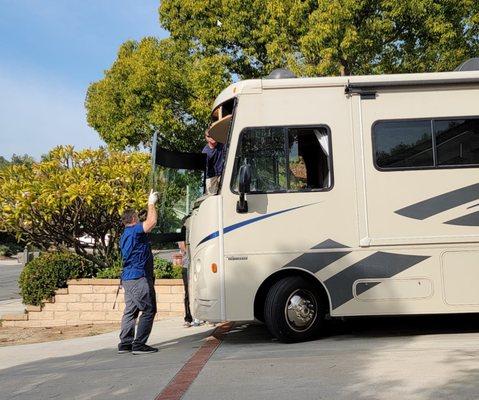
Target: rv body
(379, 229)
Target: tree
(71, 194)
(3, 162)
(24, 159)
(17, 159)
(168, 86)
(155, 86)
(328, 37)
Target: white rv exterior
(386, 225)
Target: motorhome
(340, 196)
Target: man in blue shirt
(138, 280)
(214, 163)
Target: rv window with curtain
(426, 143)
(285, 159)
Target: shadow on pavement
(101, 374)
(369, 327)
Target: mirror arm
(242, 204)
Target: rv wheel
(293, 310)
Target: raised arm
(152, 216)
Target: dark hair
(128, 215)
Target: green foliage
(50, 271)
(10, 249)
(4, 250)
(70, 194)
(8, 245)
(155, 86)
(111, 272)
(327, 37)
(165, 269)
(24, 159)
(17, 160)
(3, 162)
(168, 86)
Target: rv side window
(403, 144)
(426, 143)
(457, 141)
(285, 159)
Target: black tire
(282, 320)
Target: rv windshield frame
(228, 140)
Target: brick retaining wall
(90, 301)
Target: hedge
(50, 271)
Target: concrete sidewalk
(90, 368)
(165, 332)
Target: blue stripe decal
(250, 221)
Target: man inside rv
(214, 163)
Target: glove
(152, 198)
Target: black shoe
(124, 348)
(143, 349)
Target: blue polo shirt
(136, 252)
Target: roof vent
(280, 73)
(470, 65)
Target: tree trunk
(344, 68)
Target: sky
(50, 51)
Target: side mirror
(244, 183)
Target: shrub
(71, 195)
(112, 272)
(165, 269)
(50, 271)
(4, 250)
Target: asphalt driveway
(9, 273)
(423, 358)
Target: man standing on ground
(138, 280)
(214, 163)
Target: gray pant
(139, 296)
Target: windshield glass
(178, 190)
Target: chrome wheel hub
(301, 310)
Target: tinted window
(264, 150)
(457, 141)
(403, 144)
(285, 159)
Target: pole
(153, 160)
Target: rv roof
(258, 85)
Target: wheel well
(272, 279)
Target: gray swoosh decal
(466, 220)
(377, 265)
(329, 244)
(435, 205)
(315, 262)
